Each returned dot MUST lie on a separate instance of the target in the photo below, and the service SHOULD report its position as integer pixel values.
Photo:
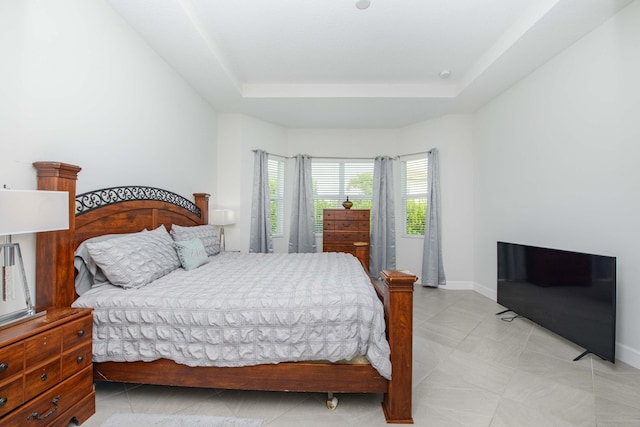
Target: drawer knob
(3, 366)
(80, 359)
(44, 377)
(36, 415)
(81, 333)
(3, 401)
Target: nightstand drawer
(11, 395)
(41, 378)
(47, 407)
(76, 360)
(11, 360)
(42, 347)
(77, 333)
(49, 359)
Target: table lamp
(21, 212)
(222, 217)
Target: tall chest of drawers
(347, 230)
(46, 375)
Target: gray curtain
(432, 267)
(302, 236)
(260, 231)
(383, 218)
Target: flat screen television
(572, 294)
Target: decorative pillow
(136, 260)
(89, 274)
(206, 233)
(191, 253)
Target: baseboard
(492, 294)
(628, 355)
(463, 285)
(453, 285)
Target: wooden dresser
(347, 230)
(46, 374)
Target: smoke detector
(445, 74)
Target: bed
(132, 209)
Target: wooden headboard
(106, 211)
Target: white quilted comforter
(244, 309)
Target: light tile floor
(470, 369)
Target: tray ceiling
(326, 63)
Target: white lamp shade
(222, 217)
(32, 211)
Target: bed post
(202, 201)
(399, 309)
(54, 249)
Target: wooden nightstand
(46, 374)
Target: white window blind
(334, 181)
(414, 195)
(276, 196)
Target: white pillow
(206, 233)
(135, 260)
(89, 274)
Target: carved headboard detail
(106, 211)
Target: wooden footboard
(55, 288)
(398, 305)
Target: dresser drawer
(362, 236)
(328, 225)
(76, 360)
(346, 225)
(345, 236)
(346, 214)
(329, 215)
(11, 395)
(47, 407)
(11, 360)
(77, 333)
(360, 215)
(346, 248)
(41, 378)
(42, 347)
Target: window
(414, 196)
(276, 196)
(334, 181)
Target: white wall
(452, 136)
(77, 85)
(238, 136)
(556, 163)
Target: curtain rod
(347, 157)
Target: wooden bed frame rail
(55, 288)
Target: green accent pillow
(191, 253)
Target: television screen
(570, 293)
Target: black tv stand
(508, 319)
(584, 353)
